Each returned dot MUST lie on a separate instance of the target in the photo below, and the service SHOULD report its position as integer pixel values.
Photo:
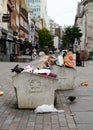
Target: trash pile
(84, 83)
(1, 93)
(45, 63)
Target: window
(17, 7)
(21, 21)
(17, 21)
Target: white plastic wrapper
(46, 108)
(40, 71)
(28, 68)
(60, 61)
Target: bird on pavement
(71, 98)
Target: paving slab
(76, 116)
(83, 117)
(83, 103)
(85, 127)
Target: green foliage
(69, 35)
(45, 38)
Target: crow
(17, 69)
(71, 98)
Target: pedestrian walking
(34, 53)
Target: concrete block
(66, 77)
(33, 90)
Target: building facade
(13, 28)
(6, 35)
(38, 8)
(84, 20)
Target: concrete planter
(66, 77)
(33, 90)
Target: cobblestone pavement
(75, 116)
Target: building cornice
(10, 5)
(84, 2)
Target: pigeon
(17, 69)
(71, 98)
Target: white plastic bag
(46, 108)
(60, 61)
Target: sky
(62, 11)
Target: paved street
(76, 116)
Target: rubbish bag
(69, 60)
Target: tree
(71, 33)
(45, 38)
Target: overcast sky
(62, 11)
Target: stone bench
(33, 90)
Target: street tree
(70, 33)
(45, 38)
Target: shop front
(3, 37)
(6, 45)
